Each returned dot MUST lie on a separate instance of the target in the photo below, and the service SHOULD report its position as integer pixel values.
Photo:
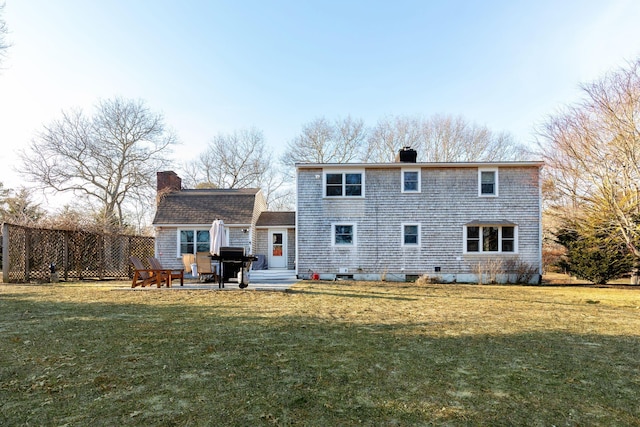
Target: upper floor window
(344, 184)
(487, 182)
(490, 238)
(410, 180)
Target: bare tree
(284, 200)
(278, 189)
(237, 160)
(440, 138)
(454, 139)
(18, 207)
(390, 134)
(592, 153)
(72, 217)
(321, 141)
(109, 158)
(4, 44)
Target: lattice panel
(76, 254)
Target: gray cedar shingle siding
(259, 208)
(261, 243)
(291, 248)
(166, 247)
(448, 200)
(238, 238)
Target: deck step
(259, 275)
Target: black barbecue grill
(232, 259)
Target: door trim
(284, 247)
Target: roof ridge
(229, 191)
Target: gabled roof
(273, 219)
(233, 206)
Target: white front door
(278, 248)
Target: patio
(280, 284)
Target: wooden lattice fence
(28, 253)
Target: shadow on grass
(346, 294)
(177, 364)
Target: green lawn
(323, 354)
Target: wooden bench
(176, 273)
(143, 276)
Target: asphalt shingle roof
(270, 219)
(233, 206)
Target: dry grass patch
(322, 354)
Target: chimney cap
(407, 155)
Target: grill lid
(232, 253)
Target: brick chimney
(168, 181)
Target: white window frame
(343, 172)
(480, 250)
(402, 235)
(195, 237)
(343, 245)
(495, 184)
(405, 170)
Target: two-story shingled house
(459, 222)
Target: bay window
(490, 238)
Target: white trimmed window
(410, 180)
(410, 234)
(488, 182)
(343, 234)
(193, 241)
(490, 239)
(344, 183)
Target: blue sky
(219, 66)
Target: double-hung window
(410, 235)
(490, 238)
(411, 180)
(487, 182)
(343, 234)
(508, 239)
(193, 241)
(344, 184)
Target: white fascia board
(432, 165)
